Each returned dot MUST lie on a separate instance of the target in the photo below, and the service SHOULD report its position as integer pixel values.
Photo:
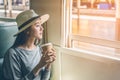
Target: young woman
(24, 60)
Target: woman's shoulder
(11, 51)
(11, 55)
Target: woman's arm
(12, 67)
(47, 71)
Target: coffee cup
(46, 47)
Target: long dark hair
(21, 38)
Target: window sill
(102, 57)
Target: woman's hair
(21, 38)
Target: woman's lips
(41, 33)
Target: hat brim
(43, 19)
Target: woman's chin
(40, 37)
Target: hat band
(27, 22)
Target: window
(10, 8)
(94, 4)
(91, 25)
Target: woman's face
(37, 30)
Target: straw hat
(27, 18)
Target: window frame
(68, 37)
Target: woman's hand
(51, 56)
(51, 60)
(47, 57)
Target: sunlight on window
(10, 8)
(94, 4)
(94, 25)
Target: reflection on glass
(95, 4)
(94, 23)
(16, 6)
(96, 19)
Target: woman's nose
(41, 28)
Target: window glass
(10, 8)
(93, 25)
(94, 4)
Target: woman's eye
(38, 25)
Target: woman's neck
(29, 45)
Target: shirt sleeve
(12, 67)
(45, 74)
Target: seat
(7, 30)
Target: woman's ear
(28, 32)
